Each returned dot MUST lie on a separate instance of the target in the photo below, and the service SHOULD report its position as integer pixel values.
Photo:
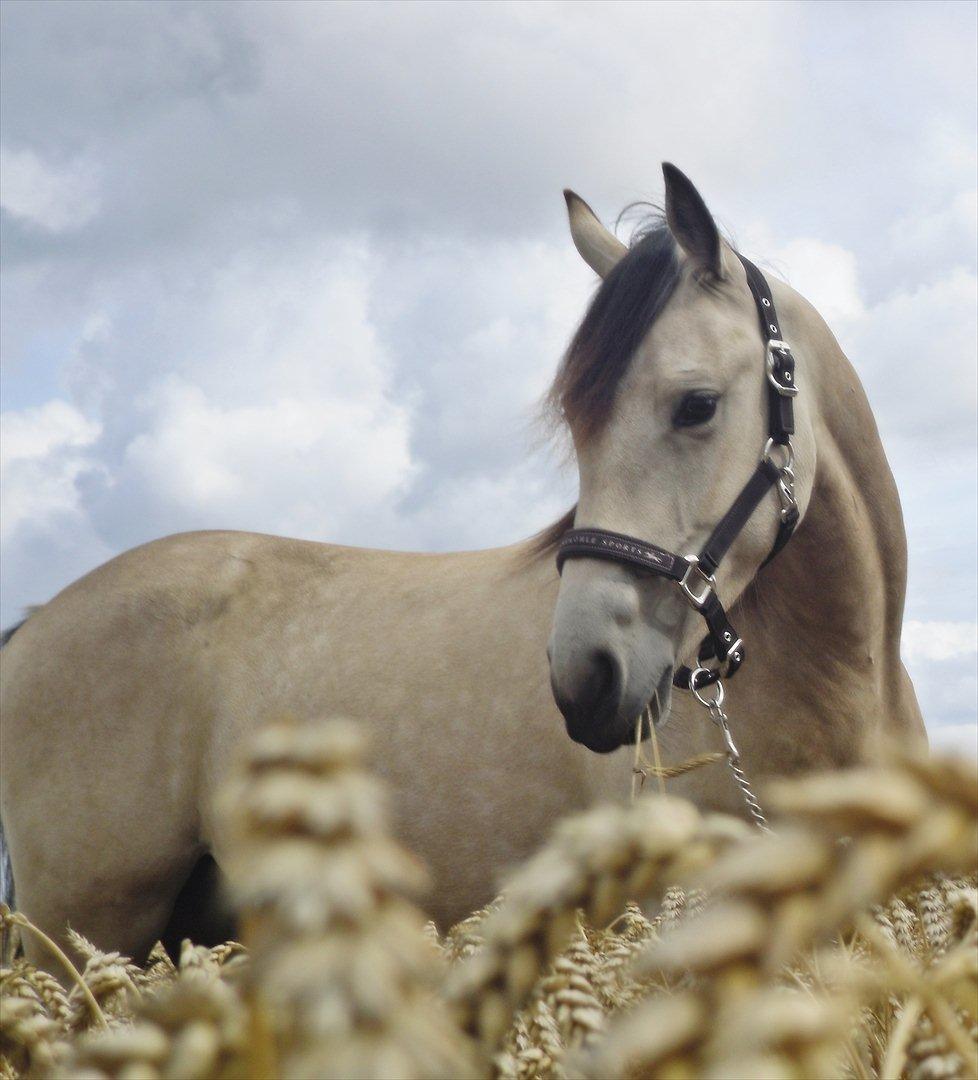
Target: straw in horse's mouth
(653, 716)
(657, 709)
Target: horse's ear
(691, 223)
(598, 248)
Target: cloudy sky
(303, 267)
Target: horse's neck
(827, 612)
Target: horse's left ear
(691, 223)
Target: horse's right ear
(599, 248)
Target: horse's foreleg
(123, 907)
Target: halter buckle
(708, 588)
(787, 388)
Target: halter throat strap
(694, 574)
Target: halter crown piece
(694, 574)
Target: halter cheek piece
(694, 574)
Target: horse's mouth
(658, 709)
(608, 737)
(655, 714)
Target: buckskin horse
(126, 696)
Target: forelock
(618, 318)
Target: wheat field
(649, 940)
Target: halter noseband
(695, 573)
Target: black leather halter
(695, 573)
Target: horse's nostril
(602, 679)
(587, 688)
(597, 689)
(590, 703)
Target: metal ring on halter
(767, 454)
(707, 703)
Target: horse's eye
(696, 407)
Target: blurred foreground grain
(642, 941)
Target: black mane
(626, 305)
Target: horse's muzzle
(607, 657)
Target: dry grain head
(653, 1039)
(786, 893)
(596, 862)
(345, 975)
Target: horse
(126, 696)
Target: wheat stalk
(344, 976)
(562, 976)
(10, 918)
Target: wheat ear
(15, 918)
(344, 978)
(189, 1026)
(782, 894)
(595, 862)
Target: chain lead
(715, 707)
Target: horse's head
(664, 390)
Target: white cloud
(46, 454)
(34, 433)
(942, 658)
(42, 453)
(916, 350)
(955, 738)
(54, 199)
(480, 510)
(827, 275)
(939, 640)
(925, 234)
(301, 467)
(339, 387)
(948, 151)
